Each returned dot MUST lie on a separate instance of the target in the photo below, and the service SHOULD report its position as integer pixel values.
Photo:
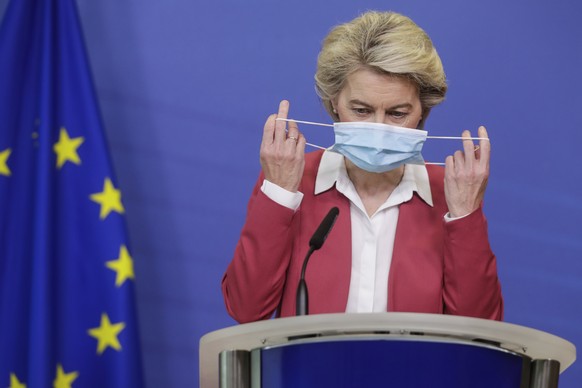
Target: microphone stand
(302, 299)
(316, 242)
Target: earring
(334, 110)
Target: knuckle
(288, 157)
(482, 172)
(270, 154)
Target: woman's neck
(373, 188)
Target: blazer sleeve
(253, 284)
(471, 285)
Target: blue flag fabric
(67, 311)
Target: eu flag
(67, 311)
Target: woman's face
(379, 98)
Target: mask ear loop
(428, 137)
(305, 122)
(456, 138)
(453, 138)
(310, 123)
(315, 146)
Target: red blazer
(437, 267)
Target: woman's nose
(380, 117)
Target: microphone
(316, 242)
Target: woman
(409, 238)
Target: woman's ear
(333, 106)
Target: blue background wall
(185, 87)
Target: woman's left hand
(466, 174)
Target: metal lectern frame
(231, 357)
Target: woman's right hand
(283, 153)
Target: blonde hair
(386, 42)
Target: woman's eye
(361, 111)
(398, 114)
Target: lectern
(382, 350)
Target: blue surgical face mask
(378, 147)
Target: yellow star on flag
(123, 266)
(64, 380)
(66, 148)
(14, 383)
(106, 334)
(4, 170)
(109, 199)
